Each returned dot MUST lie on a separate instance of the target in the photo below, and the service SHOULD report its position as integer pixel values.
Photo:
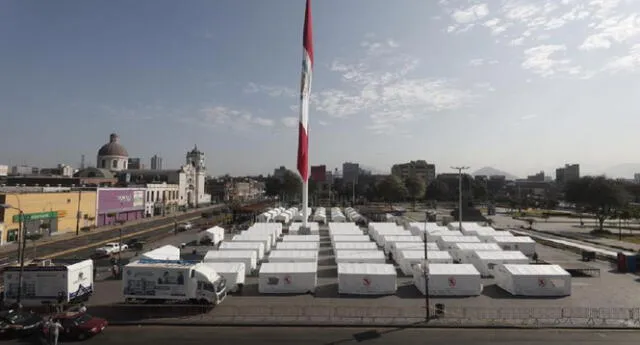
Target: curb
(342, 325)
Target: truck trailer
(167, 280)
(48, 282)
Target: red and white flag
(305, 90)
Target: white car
(111, 248)
(186, 226)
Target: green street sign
(36, 216)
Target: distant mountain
(489, 171)
(626, 170)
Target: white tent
(258, 247)
(366, 279)
(389, 240)
(265, 239)
(360, 256)
(233, 272)
(320, 215)
(213, 235)
(355, 246)
(396, 247)
(534, 280)
(293, 256)
(247, 257)
(408, 258)
(435, 235)
(314, 246)
(446, 242)
(461, 252)
(350, 238)
(449, 280)
(301, 238)
(522, 243)
(486, 262)
(288, 277)
(418, 228)
(167, 252)
(314, 227)
(345, 231)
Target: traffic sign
(36, 216)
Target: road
(334, 336)
(48, 248)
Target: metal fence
(286, 314)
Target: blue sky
(518, 85)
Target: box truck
(48, 281)
(165, 280)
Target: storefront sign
(36, 216)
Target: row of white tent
(320, 215)
(281, 215)
(472, 256)
(352, 214)
(337, 215)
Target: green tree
(437, 190)
(604, 197)
(480, 191)
(291, 185)
(391, 189)
(415, 188)
(272, 186)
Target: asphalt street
(159, 335)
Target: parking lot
(610, 290)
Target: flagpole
(303, 131)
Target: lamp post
(425, 270)
(460, 168)
(21, 246)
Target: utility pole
(21, 229)
(460, 169)
(425, 270)
(78, 212)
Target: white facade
(4, 170)
(195, 171)
(161, 195)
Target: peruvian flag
(305, 90)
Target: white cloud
(323, 123)
(273, 91)
(539, 60)
(476, 62)
(626, 63)
(224, 117)
(381, 85)
(554, 23)
(517, 42)
(470, 14)
(290, 122)
(496, 25)
(528, 117)
(597, 41)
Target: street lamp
(21, 246)
(460, 168)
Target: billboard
(120, 199)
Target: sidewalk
(12, 247)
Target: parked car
(111, 248)
(185, 226)
(135, 243)
(79, 325)
(18, 323)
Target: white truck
(168, 280)
(48, 282)
(111, 248)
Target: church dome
(113, 148)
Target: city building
(350, 172)
(220, 189)
(120, 205)
(539, 177)
(190, 179)
(135, 164)
(156, 162)
(22, 170)
(61, 170)
(95, 177)
(161, 199)
(420, 169)
(247, 189)
(319, 173)
(47, 210)
(569, 172)
(636, 177)
(279, 173)
(113, 155)
(4, 170)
